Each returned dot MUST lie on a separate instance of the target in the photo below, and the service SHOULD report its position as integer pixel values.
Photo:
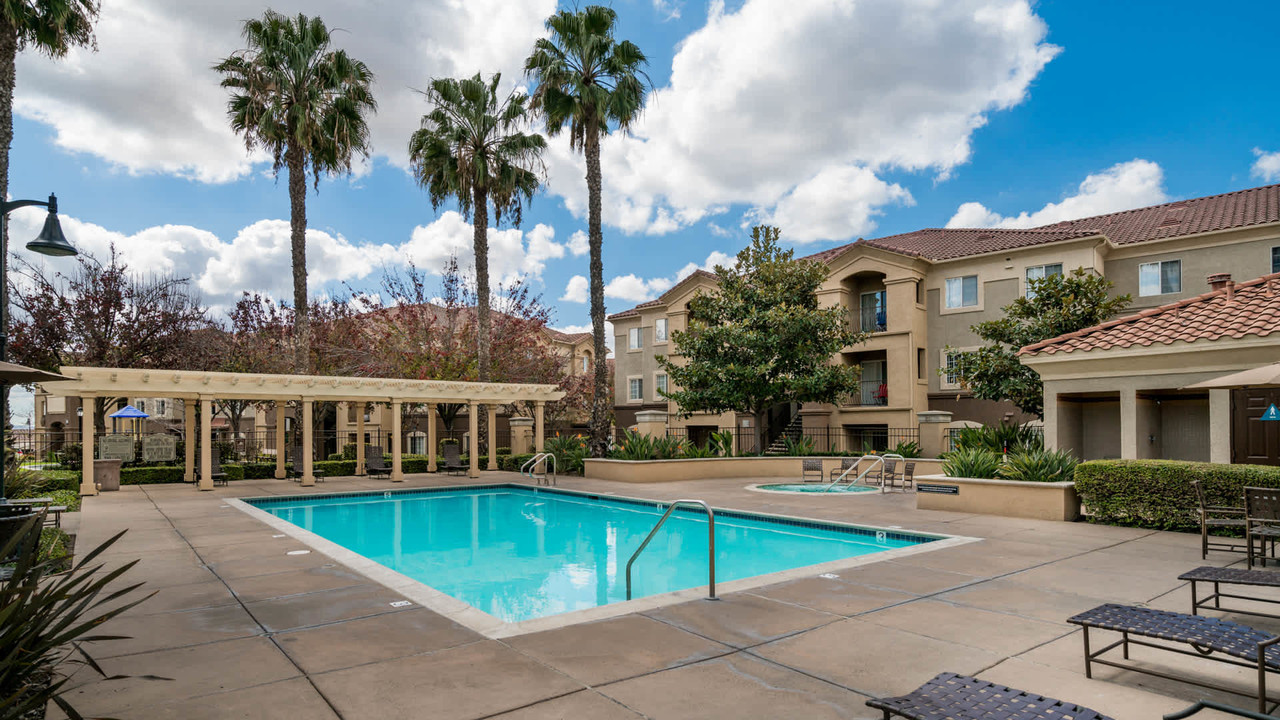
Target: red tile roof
(1235, 311)
(571, 338)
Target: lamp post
(51, 241)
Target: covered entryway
(1253, 441)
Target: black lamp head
(51, 240)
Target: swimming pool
(519, 553)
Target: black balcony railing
(870, 393)
(872, 319)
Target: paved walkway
(246, 630)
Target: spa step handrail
(876, 460)
(711, 544)
(530, 468)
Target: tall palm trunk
(480, 239)
(601, 395)
(8, 78)
(298, 245)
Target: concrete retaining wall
(1039, 501)
(788, 468)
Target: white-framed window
(142, 405)
(659, 386)
(1275, 259)
(1040, 272)
(635, 389)
(633, 338)
(417, 443)
(949, 378)
(660, 330)
(1160, 278)
(962, 292)
(586, 363)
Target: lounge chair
(1261, 521)
(1216, 516)
(216, 472)
(374, 464)
(1240, 645)
(811, 470)
(1220, 707)
(845, 464)
(951, 697)
(1220, 576)
(452, 460)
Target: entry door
(1253, 441)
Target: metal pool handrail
(711, 544)
(876, 459)
(530, 467)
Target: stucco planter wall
(1038, 501)
(650, 471)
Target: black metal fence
(825, 440)
(953, 434)
(743, 440)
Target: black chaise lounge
(216, 474)
(452, 459)
(1233, 643)
(374, 465)
(957, 697)
(1219, 576)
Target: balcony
(871, 393)
(872, 319)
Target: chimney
(1217, 281)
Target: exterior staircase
(793, 430)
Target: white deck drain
(401, 603)
(298, 552)
(279, 536)
(829, 576)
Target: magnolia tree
(104, 315)
(761, 338)
(1053, 306)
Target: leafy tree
(590, 81)
(259, 341)
(305, 103)
(105, 316)
(1053, 306)
(471, 147)
(761, 339)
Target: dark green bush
(1158, 494)
(998, 438)
(1039, 466)
(512, 463)
(971, 463)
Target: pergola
(89, 382)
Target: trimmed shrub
(972, 463)
(152, 475)
(512, 463)
(1158, 494)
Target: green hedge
(1158, 494)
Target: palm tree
(591, 82)
(471, 147)
(304, 102)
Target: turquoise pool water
(518, 553)
(815, 488)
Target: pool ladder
(548, 463)
(711, 544)
(875, 460)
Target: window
(962, 292)
(162, 408)
(919, 293)
(635, 389)
(660, 330)
(633, 339)
(1040, 272)
(660, 385)
(920, 363)
(1160, 278)
(417, 443)
(586, 363)
(951, 365)
(142, 405)
(873, 311)
(1275, 259)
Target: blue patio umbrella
(129, 412)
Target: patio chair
(374, 464)
(950, 696)
(811, 470)
(883, 473)
(452, 459)
(1261, 521)
(216, 472)
(1234, 644)
(908, 475)
(845, 465)
(1216, 516)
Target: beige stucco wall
(1038, 501)
(652, 471)
(1245, 254)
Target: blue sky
(833, 120)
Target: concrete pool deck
(247, 630)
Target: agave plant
(972, 463)
(1005, 437)
(42, 613)
(1039, 466)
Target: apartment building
(918, 295)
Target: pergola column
(206, 443)
(397, 467)
(493, 437)
(539, 432)
(473, 423)
(87, 485)
(360, 469)
(308, 444)
(189, 440)
(280, 444)
(431, 437)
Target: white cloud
(258, 257)
(834, 204)
(777, 94)
(1123, 186)
(579, 243)
(149, 102)
(1267, 166)
(578, 290)
(636, 289)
